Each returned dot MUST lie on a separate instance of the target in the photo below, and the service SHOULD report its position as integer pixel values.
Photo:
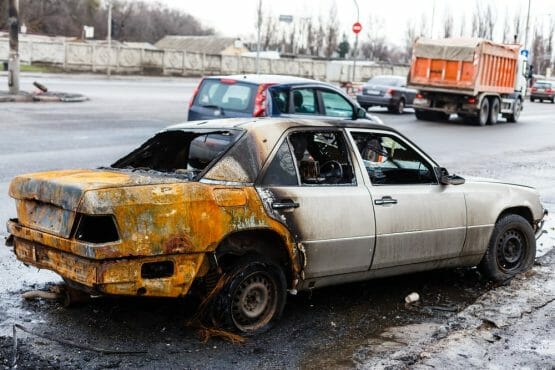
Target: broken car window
(322, 158)
(281, 171)
(178, 152)
(390, 161)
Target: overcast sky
(238, 17)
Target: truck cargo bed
(464, 65)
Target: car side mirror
(446, 179)
(359, 113)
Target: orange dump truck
(475, 78)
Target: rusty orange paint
(180, 221)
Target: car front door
(314, 189)
(417, 219)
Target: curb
(50, 97)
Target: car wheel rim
(511, 248)
(484, 113)
(254, 302)
(401, 107)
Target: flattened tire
(253, 297)
(511, 250)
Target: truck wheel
(420, 115)
(483, 114)
(511, 250)
(494, 111)
(253, 296)
(517, 107)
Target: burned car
(254, 208)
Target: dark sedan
(386, 91)
(272, 96)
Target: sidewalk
(510, 327)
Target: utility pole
(433, 19)
(109, 69)
(13, 59)
(258, 27)
(356, 44)
(527, 26)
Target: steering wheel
(331, 170)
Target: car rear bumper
(121, 276)
(541, 96)
(376, 100)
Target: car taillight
(549, 91)
(260, 100)
(471, 100)
(534, 89)
(390, 92)
(419, 96)
(195, 92)
(227, 81)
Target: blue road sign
(524, 53)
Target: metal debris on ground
(40, 86)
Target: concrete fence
(89, 57)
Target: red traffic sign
(357, 27)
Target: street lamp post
(258, 26)
(356, 44)
(13, 58)
(109, 69)
(527, 26)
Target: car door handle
(284, 204)
(385, 200)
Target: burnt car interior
(322, 158)
(179, 153)
(391, 162)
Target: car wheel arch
(522, 211)
(263, 241)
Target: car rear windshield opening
(182, 153)
(227, 95)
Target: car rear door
(417, 219)
(311, 185)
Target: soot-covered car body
(257, 207)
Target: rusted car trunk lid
(48, 201)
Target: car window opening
(389, 161)
(179, 153)
(322, 158)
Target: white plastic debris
(412, 298)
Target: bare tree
(423, 27)
(134, 20)
(269, 33)
(507, 37)
(517, 26)
(411, 34)
(310, 37)
(332, 32)
(375, 47)
(447, 23)
(320, 37)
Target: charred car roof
(244, 160)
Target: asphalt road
(321, 330)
